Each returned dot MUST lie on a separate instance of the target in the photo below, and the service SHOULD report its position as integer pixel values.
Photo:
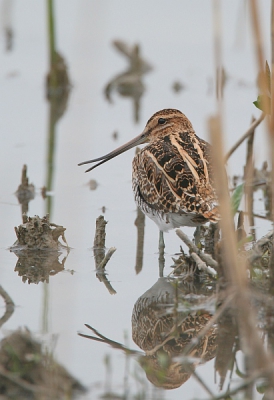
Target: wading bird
(171, 176)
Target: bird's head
(161, 124)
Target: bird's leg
(197, 236)
(161, 254)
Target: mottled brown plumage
(163, 330)
(172, 176)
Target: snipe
(172, 176)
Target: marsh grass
(258, 358)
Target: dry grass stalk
(271, 131)
(258, 44)
(234, 275)
(264, 90)
(249, 177)
(235, 271)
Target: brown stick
(202, 265)
(204, 256)
(235, 272)
(140, 224)
(249, 177)
(245, 135)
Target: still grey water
(176, 39)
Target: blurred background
(118, 62)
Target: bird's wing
(173, 176)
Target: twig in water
(102, 278)
(112, 343)
(101, 259)
(106, 259)
(100, 271)
(202, 265)
(100, 234)
(140, 224)
(205, 257)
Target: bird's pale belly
(169, 220)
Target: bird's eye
(161, 121)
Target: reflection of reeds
(9, 306)
(57, 92)
(25, 192)
(101, 259)
(99, 240)
(7, 9)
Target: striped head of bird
(163, 123)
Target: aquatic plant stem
(161, 254)
(51, 32)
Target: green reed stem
(51, 32)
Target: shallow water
(177, 41)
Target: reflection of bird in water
(172, 175)
(163, 330)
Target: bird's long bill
(132, 143)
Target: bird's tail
(213, 215)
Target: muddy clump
(38, 234)
(38, 249)
(29, 372)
